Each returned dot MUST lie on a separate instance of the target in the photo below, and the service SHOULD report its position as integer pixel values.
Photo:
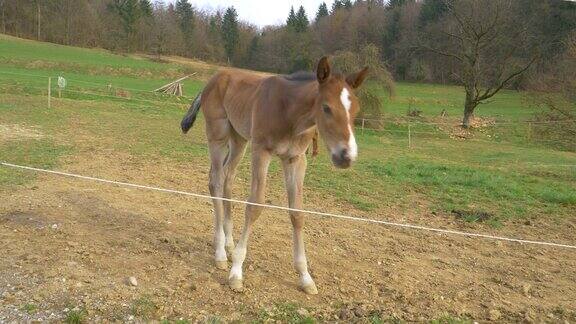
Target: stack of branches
(174, 87)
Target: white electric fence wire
(330, 215)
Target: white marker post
(61, 86)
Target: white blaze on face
(347, 103)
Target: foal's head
(337, 107)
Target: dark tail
(190, 117)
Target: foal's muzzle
(342, 159)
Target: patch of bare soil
(18, 132)
(478, 124)
(67, 243)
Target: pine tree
(130, 11)
(146, 8)
(347, 4)
(230, 32)
(215, 29)
(291, 21)
(301, 20)
(432, 10)
(337, 5)
(253, 50)
(322, 11)
(185, 15)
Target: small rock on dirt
(346, 314)
(494, 315)
(359, 312)
(303, 312)
(132, 281)
(189, 286)
(529, 315)
(526, 289)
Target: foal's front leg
(294, 172)
(260, 162)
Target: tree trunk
(469, 106)
(38, 7)
(468, 115)
(67, 23)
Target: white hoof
(310, 289)
(222, 265)
(236, 284)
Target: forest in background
(394, 29)
(483, 45)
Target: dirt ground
(71, 244)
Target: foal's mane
(300, 76)
(303, 76)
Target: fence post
(409, 136)
(363, 120)
(49, 88)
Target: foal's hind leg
(218, 147)
(237, 146)
(216, 185)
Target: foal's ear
(323, 71)
(355, 79)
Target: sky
(262, 12)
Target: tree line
(484, 45)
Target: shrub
(380, 77)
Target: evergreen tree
(291, 21)
(337, 5)
(396, 3)
(322, 11)
(185, 15)
(253, 50)
(230, 32)
(301, 20)
(146, 8)
(216, 25)
(432, 10)
(128, 11)
(347, 4)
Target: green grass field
(495, 177)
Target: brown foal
(280, 116)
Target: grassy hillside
(26, 62)
(495, 176)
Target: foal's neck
(304, 116)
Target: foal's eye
(326, 109)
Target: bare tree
(487, 43)
(554, 93)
